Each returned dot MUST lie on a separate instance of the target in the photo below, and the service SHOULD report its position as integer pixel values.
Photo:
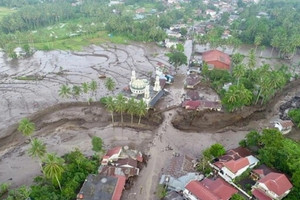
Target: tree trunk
(272, 51)
(121, 117)
(140, 119)
(258, 96)
(58, 182)
(131, 118)
(112, 118)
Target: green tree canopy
(97, 144)
(26, 127)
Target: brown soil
(204, 121)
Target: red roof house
(217, 58)
(236, 165)
(272, 186)
(209, 190)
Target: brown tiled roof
(200, 191)
(119, 188)
(236, 165)
(113, 171)
(126, 161)
(233, 154)
(220, 188)
(113, 151)
(260, 195)
(216, 55)
(262, 170)
(276, 182)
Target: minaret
(133, 77)
(157, 87)
(147, 95)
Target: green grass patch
(78, 42)
(28, 78)
(5, 11)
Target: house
(260, 172)
(235, 168)
(209, 189)
(272, 186)
(192, 80)
(140, 10)
(217, 59)
(284, 126)
(210, 12)
(117, 153)
(102, 188)
(178, 184)
(111, 155)
(192, 95)
(127, 172)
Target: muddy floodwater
(29, 88)
(20, 98)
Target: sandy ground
(72, 127)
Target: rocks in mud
(284, 108)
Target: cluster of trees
(249, 84)
(66, 91)
(121, 104)
(88, 88)
(62, 176)
(277, 152)
(215, 40)
(93, 16)
(294, 114)
(214, 151)
(280, 29)
(177, 56)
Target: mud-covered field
(65, 124)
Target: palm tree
(85, 87)
(76, 90)
(110, 84)
(257, 41)
(252, 59)
(111, 107)
(238, 72)
(26, 127)
(131, 108)
(121, 105)
(93, 87)
(141, 109)
(64, 91)
(37, 149)
(53, 168)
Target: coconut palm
(93, 87)
(141, 110)
(54, 167)
(252, 59)
(110, 84)
(37, 149)
(85, 87)
(26, 127)
(111, 107)
(76, 90)
(131, 108)
(64, 91)
(238, 72)
(257, 41)
(121, 105)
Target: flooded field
(29, 88)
